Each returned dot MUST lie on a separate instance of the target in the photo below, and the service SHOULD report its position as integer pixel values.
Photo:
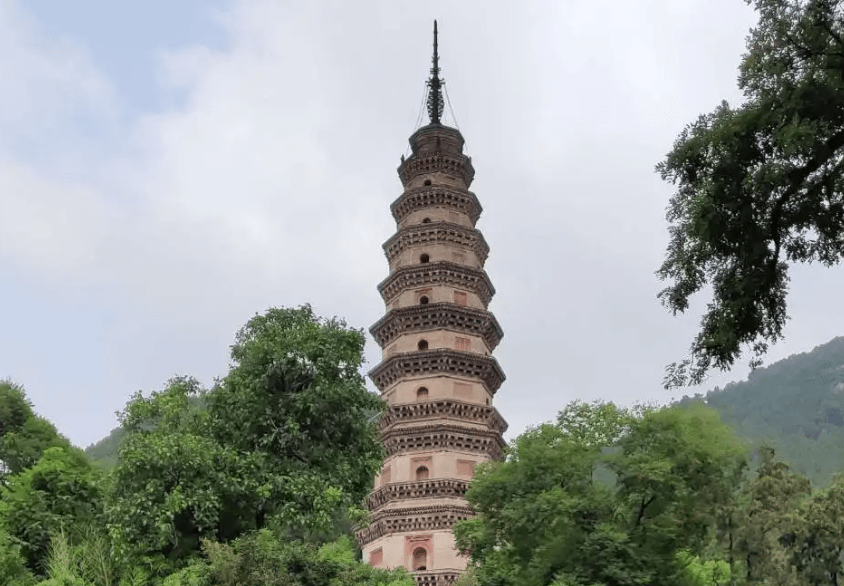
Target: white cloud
(54, 227)
(49, 90)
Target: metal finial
(435, 95)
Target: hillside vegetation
(104, 452)
(796, 406)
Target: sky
(168, 170)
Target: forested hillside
(796, 406)
(104, 452)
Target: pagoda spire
(435, 93)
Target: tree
(696, 571)
(285, 441)
(594, 425)
(263, 559)
(677, 471)
(536, 507)
(542, 519)
(62, 491)
(15, 409)
(23, 435)
(768, 511)
(818, 548)
(295, 401)
(13, 571)
(173, 484)
(759, 186)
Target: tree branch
(642, 507)
(832, 33)
(796, 179)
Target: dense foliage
(545, 518)
(24, 436)
(759, 186)
(254, 481)
(678, 507)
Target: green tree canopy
(13, 571)
(61, 491)
(173, 484)
(542, 518)
(759, 186)
(296, 402)
(24, 436)
(767, 510)
(818, 546)
(286, 441)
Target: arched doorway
(420, 559)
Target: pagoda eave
(420, 489)
(437, 233)
(434, 316)
(441, 361)
(443, 437)
(414, 519)
(425, 197)
(443, 410)
(438, 273)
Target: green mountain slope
(104, 452)
(796, 406)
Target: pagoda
(437, 373)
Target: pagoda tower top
(435, 145)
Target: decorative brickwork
(426, 489)
(442, 361)
(437, 316)
(466, 468)
(413, 519)
(443, 437)
(437, 578)
(442, 272)
(437, 233)
(442, 410)
(459, 167)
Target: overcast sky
(168, 169)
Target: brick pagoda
(437, 372)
